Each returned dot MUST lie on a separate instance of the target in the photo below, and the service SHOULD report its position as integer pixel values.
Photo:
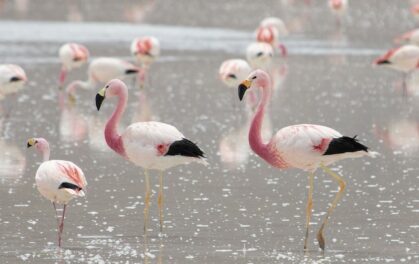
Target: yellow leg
(147, 199)
(160, 201)
(309, 207)
(338, 196)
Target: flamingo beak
(243, 88)
(100, 96)
(31, 142)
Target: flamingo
(404, 59)
(415, 11)
(259, 55)
(57, 180)
(12, 79)
(145, 50)
(304, 146)
(72, 56)
(270, 30)
(102, 70)
(411, 37)
(150, 145)
(338, 8)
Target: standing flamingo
(404, 59)
(57, 180)
(150, 145)
(305, 146)
(146, 50)
(415, 10)
(233, 70)
(72, 56)
(270, 30)
(102, 70)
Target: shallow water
(236, 210)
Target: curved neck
(255, 133)
(113, 139)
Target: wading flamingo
(72, 56)
(145, 50)
(415, 11)
(304, 146)
(338, 8)
(232, 71)
(102, 70)
(270, 30)
(150, 145)
(404, 59)
(57, 180)
(259, 55)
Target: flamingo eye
(232, 76)
(254, 77)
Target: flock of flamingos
(160, 146)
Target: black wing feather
(69, 185)
(344, 144)
(186, 148)
(131, 71)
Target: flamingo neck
(113, 139)
(255, 133)
(45, 153)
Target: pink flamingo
(150, 145)
(72, 56)
(145, 50)
(102, 70)
(305, 146)
(404, 59)
(57, 180)
(415, 10)
(270, 30)
(338, 8)
(233, 70)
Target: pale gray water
(247, 213)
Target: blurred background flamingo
(270, 30)
(72, 56)
(145, 50)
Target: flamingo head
(234, 70)
(114, 87)
(73, 55)
(40, 144)
(257, 78)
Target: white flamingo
(57, 180)
(339, 9)
(102, 70)
(145, 50)
(72, 56)
(305, 146)
(150, 145)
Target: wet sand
(244, 212)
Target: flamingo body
(276, 23)
(60, 181)
(404, 58)
(12, 79)
(232, 71)
(338, 7)
(145, 49)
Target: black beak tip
(242, 91)
(99, 100)
(28, 145)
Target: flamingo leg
(160, 201)
(147, 199)
(61, 227)
(309, 207)
(342, 185)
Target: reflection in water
(12, 163)
(143, 111)
(73, 125)
(96, 137)
(234, 147)
(401, 136)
